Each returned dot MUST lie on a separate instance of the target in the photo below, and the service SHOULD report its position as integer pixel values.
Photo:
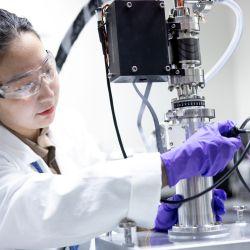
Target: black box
(137, 41)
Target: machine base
(238, 237)
(196, 233)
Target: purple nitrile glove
(219, 196)
(167, 215)
(206, 153)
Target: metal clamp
(240, 213)
(127, 225)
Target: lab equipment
(124, 25)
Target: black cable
(243, 125)
(216, 184)
(236, 156)
(101, 31)
(74, 31)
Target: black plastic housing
(137, 41)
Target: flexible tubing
(235, 39)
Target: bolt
(127, 226)
(134, 69)
(110, 75)
(168, 68)
(162, 5)
(240, 213)
(171, 88)
(129, 4)
(202, 85)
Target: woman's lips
(48, 111)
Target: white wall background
(83, 84)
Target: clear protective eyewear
(29, 83)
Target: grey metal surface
(238, 238)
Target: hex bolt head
(129, 4)
(134, 69)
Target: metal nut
(134, 68)
(162, 5)
(129, 4)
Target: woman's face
(28, 114)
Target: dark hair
(11, 26)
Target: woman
(52, 203)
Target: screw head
(162, 5)
(129, 4)
(177, 72)
(171, 144)
(202, 85)
(167, 68)
(173, 26)
(134, 69)
(171, 88)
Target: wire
(103, 37)
(216, 184)
(155, 119)
(236, 156)
(74, 31)
(140, 115)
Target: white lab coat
(47, 211)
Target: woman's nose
(46, 90)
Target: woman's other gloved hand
(167, 215)
(219, 196)
(205, 153)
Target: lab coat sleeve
(49, 210)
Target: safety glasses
(29, 83)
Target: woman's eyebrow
(25, 74)
(19, 77)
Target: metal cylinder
(199, 211)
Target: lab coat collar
(12, 145)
